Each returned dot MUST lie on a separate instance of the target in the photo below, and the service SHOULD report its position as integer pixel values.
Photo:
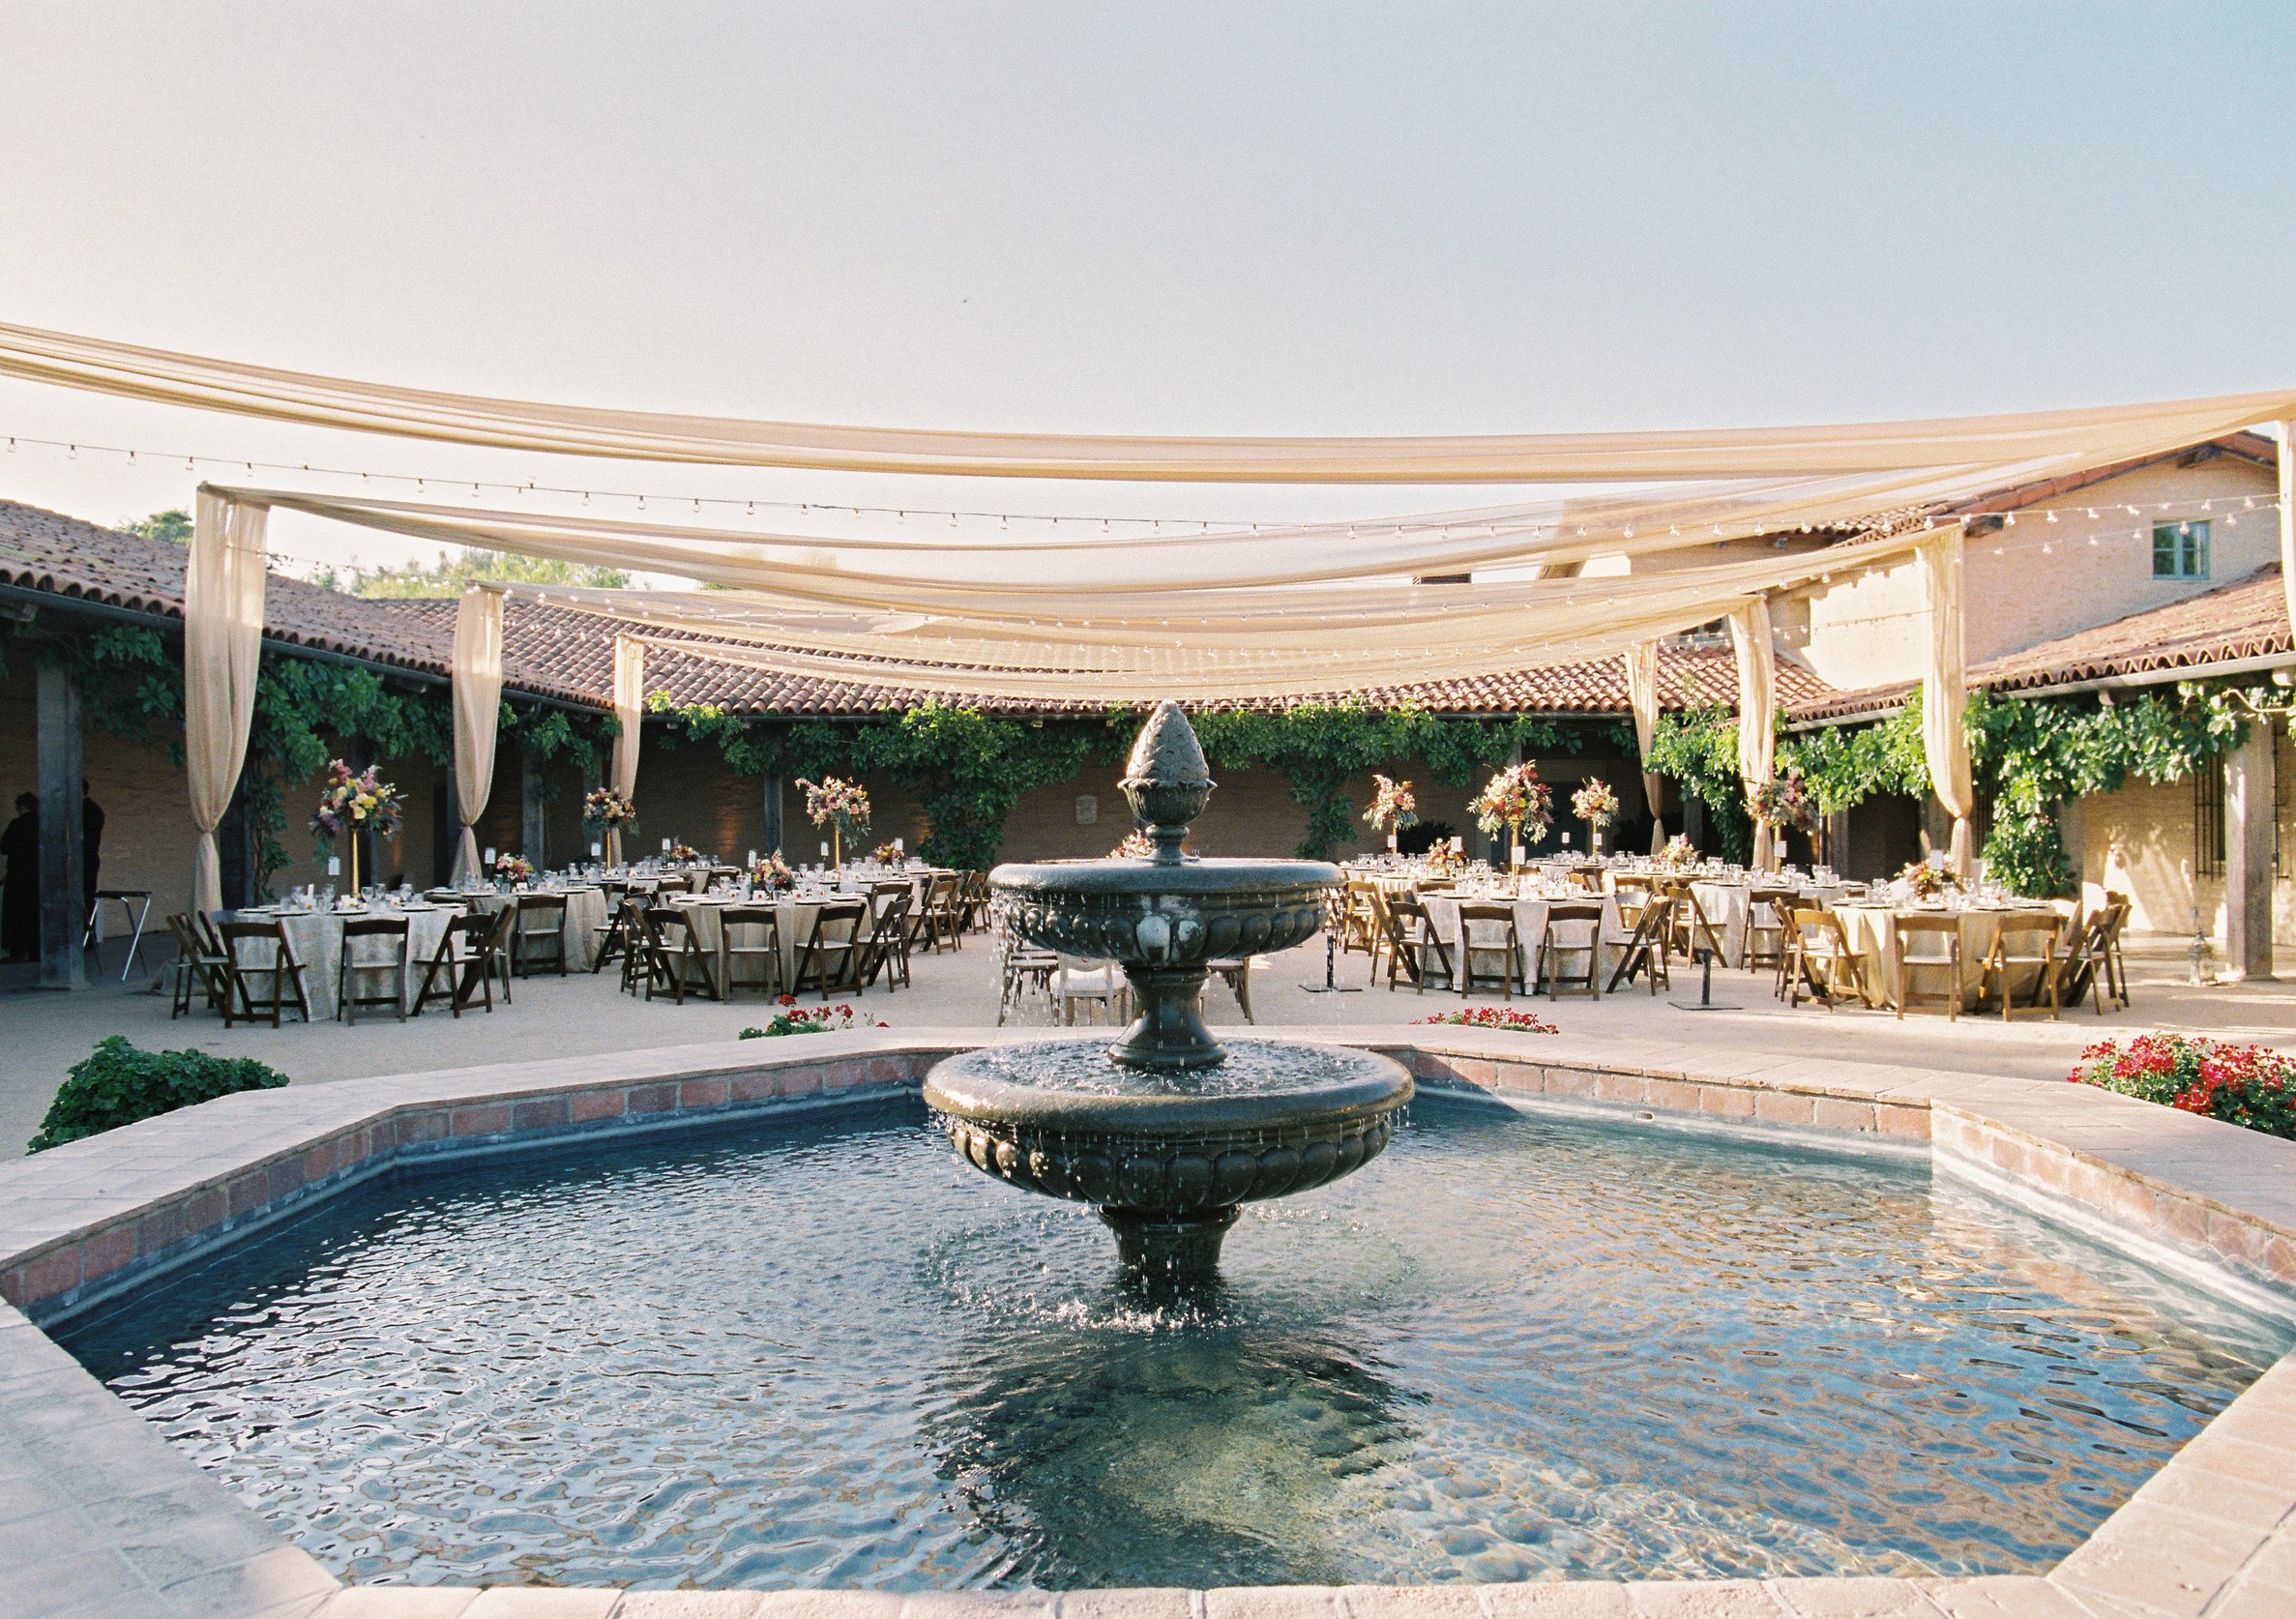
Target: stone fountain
(1168, 1132)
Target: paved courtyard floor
(43, 1033)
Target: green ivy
(970, 768)
(1697, 745)
(2028, 757)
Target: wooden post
(2248, 854)
(530, 795)
(773, 816)
(63, 903)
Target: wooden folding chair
(943, 916)
(1820, 958)
(281, 977)
(2086, 965)
(1360, 928)
(1692, 931)
(765, 953)
(833, 948)
(1496, 939)
(1945, 931)
(886, 951)
(540, 938)
(1645, 949)
(1411, 943)
(196, 966)
(1765, 930)
(2036, 947)
(674, 950)
(1023, 969)
(461, 971)
(1547, 970)
(348, 967)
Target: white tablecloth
(1530, 925)
(586, 914)
(793, 918)
(1729, 906)
(1872, 931)
(316, 939)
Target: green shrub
(117, 1084)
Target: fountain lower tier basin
(1169, 1157)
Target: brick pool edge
(100, 1515)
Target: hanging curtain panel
(224, 581)
(629, 707)
(1757, 712)
(477, 671)
(1642, 691)
(1945, 693)
(2099, 436)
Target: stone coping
(98, 1514)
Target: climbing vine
(1697, 745)
(2030, 756)
(970, 768)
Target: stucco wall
(2035, 581)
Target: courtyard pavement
(43, 1033)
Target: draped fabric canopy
(1945, 691)
(629, 706)
(2099, 436)
(1642, 693)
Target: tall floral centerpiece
(1393, 808)
(1783, 803)
(608, 811)
(1514, 799)
(1595, 804)
(1680, 854)
(353, 804)
(841, 806)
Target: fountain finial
(1168, 781)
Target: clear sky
(1225, 218)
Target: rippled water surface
(833, 1355)
(1254, 1067)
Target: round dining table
(315, 936)
(1872, 934)
(585, 915)
(1530, 927)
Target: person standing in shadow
(20, 898)
(91, 847)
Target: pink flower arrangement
(516, 868)
(843, 801)
(1516, 799)
(1784, 802)
(1595, 804)
(772, 873)
(357, 803)
(1137, 846)
(603, 807)
(1392, 806)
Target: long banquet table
(585, 915)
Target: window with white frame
(2180, 550)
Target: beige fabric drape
(1642, 691)
(1048, 573)
(223, 581)
(629, 707)
(1757, 712)
(2100, 435)
(1945, 691)
(477, 671)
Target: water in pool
(828, 1354)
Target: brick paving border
(100, 1515)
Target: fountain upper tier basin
(1143, 913)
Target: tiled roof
(44, 551)
(2248, 618)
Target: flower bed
(792, 1019)
(1496, 1017)
(2246, 1085)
